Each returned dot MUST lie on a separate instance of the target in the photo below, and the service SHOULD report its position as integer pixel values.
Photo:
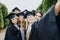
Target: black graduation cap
(20, 14)
(33, 11)
(10, 16)
(16, 8)
(30, 13)
(25, 10)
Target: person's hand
(57, 7)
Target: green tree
(40, 8)
(1, 18)
(5, 13)
(46, 4)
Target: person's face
(38, 16)
(14, 20)
(17, 11)
(30, 19)
(21, 18)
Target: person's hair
(23, 24)
(27, 24)
(10, 23)
(39, 12)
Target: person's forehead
(16, 10)
(21, 16)
(38, 14)
(30, 16)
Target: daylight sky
(21, 4)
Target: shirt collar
(17, 27)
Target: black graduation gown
(13, 33)
(36, 24)
(47, 27)
(33, 35)
(58, 22)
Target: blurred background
(7, 5)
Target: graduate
(13, 31)
(38, 16)
(22, 24)
(49, 25)
(31, 30)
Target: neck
(15, 24)
(30, 23)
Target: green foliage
(46, 4)
(1, 19)
(40, 7)
(3, 14)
